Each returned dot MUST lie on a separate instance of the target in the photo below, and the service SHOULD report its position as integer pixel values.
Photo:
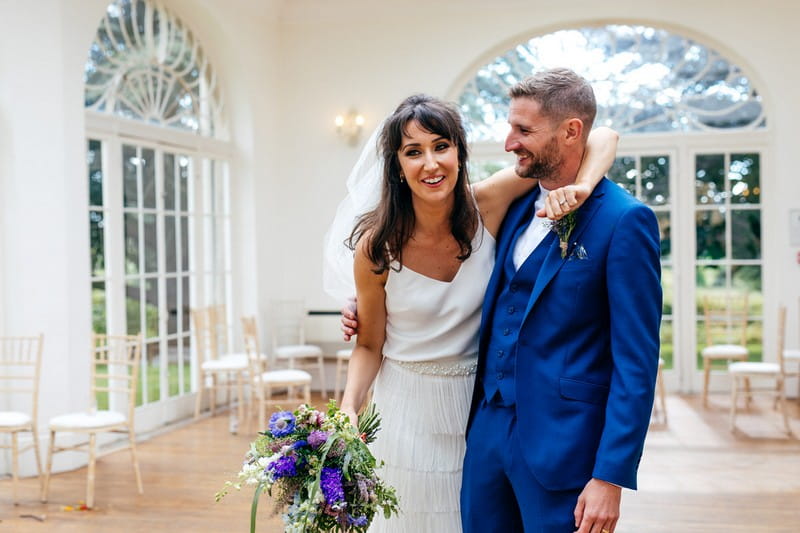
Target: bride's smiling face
(429, 163)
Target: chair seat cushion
(227, 363)
(344, 354)
(12, 419)
(791, 354)
(288, 376)
(723, 351)
(84, 421)
(754, 367)
(298, 350)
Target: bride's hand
(353, 416)
(564, 200)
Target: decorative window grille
(645, 80)
(145, 64)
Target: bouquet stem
(254, 507)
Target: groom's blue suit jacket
(588, 348)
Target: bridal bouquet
(318, 469)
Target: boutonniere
(563, 229)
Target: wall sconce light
(349, 126)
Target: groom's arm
(633, 279)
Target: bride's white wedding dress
(424, 388)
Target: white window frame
(114, 132)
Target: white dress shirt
(535, 232)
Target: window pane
(99, 307)
(710, 234)
(745, 178)
(153, 373)
(172, 306)
(151, 309)
(183, 182)
(170, 246)
(655, 180)
(150, 244)
(187, 367)
(710, 179)
(664, 230)
(130, 164)
(746, 234)
(132, 307)
(747, 278)
(131, 243)
(96, 243)
(148, 162)
(173, 368)
(710, 281)
(185, 266)
(95, 164)
(185, 304)
(666, 343)
(623, 172)
(169, 182)
(667, 286)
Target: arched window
(159, 214)
(144, 64)
(645, 80)
(693, 128)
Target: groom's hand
(597, 510)
(349, 320)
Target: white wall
(44, 231)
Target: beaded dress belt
(461, 365)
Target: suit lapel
(553, 261)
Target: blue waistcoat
(501, 356)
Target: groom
(569, 337)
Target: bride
(423, 257)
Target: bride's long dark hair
(391, 223)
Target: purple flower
(317, 438)
(281, 423)
(284, 466)
(358, 521)
(331, 485)
(299, 444)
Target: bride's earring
(402, 178)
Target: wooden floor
(695, 476)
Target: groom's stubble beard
(545, 165)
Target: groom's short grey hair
(561, 93)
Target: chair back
(20, 367)
(210, 331)
(115, 368)
(218, 322)
(725, 319)
(287, 322)
(251, 346)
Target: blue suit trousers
(499, 493)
